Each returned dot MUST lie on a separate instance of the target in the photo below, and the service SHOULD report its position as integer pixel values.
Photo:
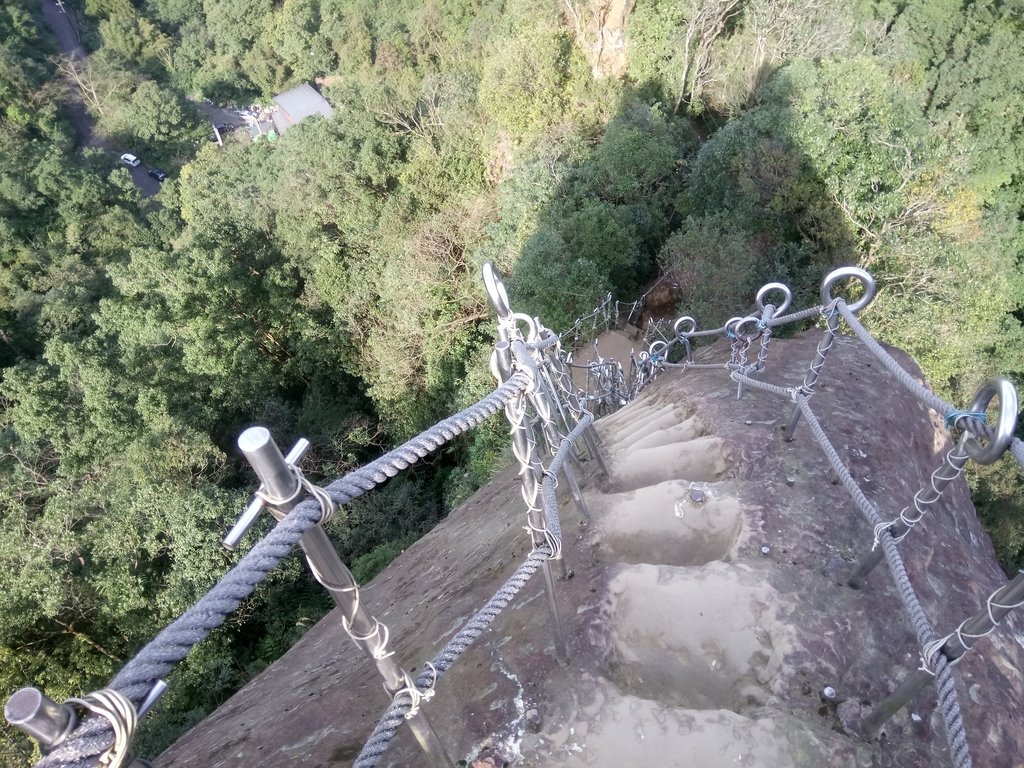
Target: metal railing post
(954, 461)
(560, 375)
(49, 723)
(524, 446)
(832, 320)
(283, 491)
(541, 400)
(999, 603)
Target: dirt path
(62, 25)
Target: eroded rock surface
(706, 615)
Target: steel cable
(948, 702)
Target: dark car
(157, 174)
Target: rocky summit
(707, 621)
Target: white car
(130, 160)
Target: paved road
(62, 27)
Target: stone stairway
(706, 616)
(690, 641)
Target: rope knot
(302, 484)
(120, 712)
(954, 416)
(416, 694)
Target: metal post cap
(845, 273)
(766, 289)
(31, 711)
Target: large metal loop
(496, 290)
(766, 289)
(657, 347)
(845, 273)
(1005, 427)
(680, 321)
(533, 334)
(729, 323)
(750, 320)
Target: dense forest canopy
(326, 284)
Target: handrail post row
(954, 461)
(831, 312)
(540, 398)
(953, 647)
(524, 446)
(282, 491)
(564, 382)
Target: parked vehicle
(157, 174)
(130, 160)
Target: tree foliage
(326, 284)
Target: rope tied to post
(327, 505)
(954, 416)
(416, 694)
(123, 718)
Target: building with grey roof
(299, 103)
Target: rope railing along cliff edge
(97, 729)
(938, 655)
(532, 371)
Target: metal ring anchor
(728, 325)
(1000, 387)
(680, 321)
(766, 289)
(845, 273)
(657, 347)
(496, 292)
(740, 322)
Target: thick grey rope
(389, 724)
(93, 737)
(917, 389)
(948, 703)
(921, 392)
(796, 317)
(764, 386)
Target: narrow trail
(693, 637)
(62, 26)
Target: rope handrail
(93, 736)
(937, 665)
(533, 373)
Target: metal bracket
(274, 472)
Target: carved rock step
(626, 731)
(671, 523)
(703, 459)
(696, 638)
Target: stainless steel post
(1000, 603)
(49, 723)
(576, 408)
(31, 711)
(832, 279)
(811, 377)
(532, 474)
(954, 462)
(282, 487)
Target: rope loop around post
(120, 713)
(327, 505)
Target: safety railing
(547, 419)
(938, 655)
